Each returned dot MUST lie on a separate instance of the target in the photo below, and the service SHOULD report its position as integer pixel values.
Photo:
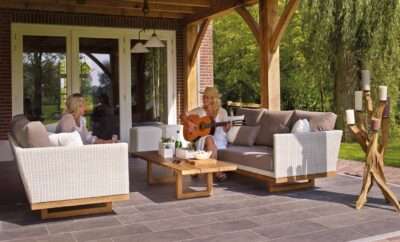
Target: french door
(50, 62)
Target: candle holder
(370, 124)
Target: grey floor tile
(109, 232)
(151, 216)
(331, 235)
(164, 236)
(180, 222)
(289, 229)
(376, 227)
(282, 217)
(239, 236)
(242, 213)
(340, 220)
(222, 227)
(23, 233)
(212, 208)
(82, 224)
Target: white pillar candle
(365, 80)
(358, 100)
(382, 93)
(350, 117)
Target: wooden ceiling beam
(199, 38)
(189, 3)
(217, 8)
(49, 5)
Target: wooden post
(194, 37)
(367, 130)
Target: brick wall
(41, 17)
(206, 60)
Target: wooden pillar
(194, 34)
(269, 59)
(190, 69)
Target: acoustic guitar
(195, 126)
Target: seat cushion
(273, 122)
(319, 121)
(260, 157)
(18, 133)
(251, 116)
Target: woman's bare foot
(220, 176)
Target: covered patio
(241, 208)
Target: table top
(183, 167)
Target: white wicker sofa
(292, 160)
(86, 179)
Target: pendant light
(154, 41)
(139, 47)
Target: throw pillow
(252, 116)
(36, 135)
(243, 135)
(66, 139)
(324, 122)
(18, 133)
(273, 122)
(301, 126)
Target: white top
(220, 138)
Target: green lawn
(352, 151)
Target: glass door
(99, 84)
(149, 80)
(44, 77)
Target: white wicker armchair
(56, 177)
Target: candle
(358, 100)
(375, 124)
(382, 93)
(365, 80)
(386, 111)
(350, 117)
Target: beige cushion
(252, 116)
(273, 122)
(18, 124)
(319, 121)
(37, 135)
(243, 135)
(260, 157)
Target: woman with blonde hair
(73, 120)
(212, 108)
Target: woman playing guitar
(212, 108)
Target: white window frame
(72, 35)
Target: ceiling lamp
(139, 47)
(154, 41)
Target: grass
(352, 151)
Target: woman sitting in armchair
(73, 120)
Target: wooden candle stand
(372, 133)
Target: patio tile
(150, 216)
(379, 226)
(330, 209)
(164, 236)
(341, 220)
(212, 208)
(282, 217)
(239, 236)
(331, 235)
(83, 224)
(222, 227)
(243, 213)
(289, 229)
(23, 233)
(109, 232)
(66, 237)
(180, 222)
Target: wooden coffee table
(182, 169)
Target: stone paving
(240, 210)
